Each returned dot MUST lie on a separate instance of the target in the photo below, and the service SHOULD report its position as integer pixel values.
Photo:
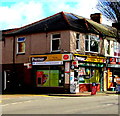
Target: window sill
(20, 54)
(56, 51)
(92, 52)
(77, 50)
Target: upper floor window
(91, 43)
(55, 42)
(108, 47)
(116, 48)
(77, 41)
(21, 45)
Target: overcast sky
(17, 13)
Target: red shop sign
(112, 60)
(66, 57)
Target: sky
(17, 13)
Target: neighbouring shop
(112, 73)
(51, 71)
(88, 70)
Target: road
(60, 105)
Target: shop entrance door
(74, 82)
(7, 80)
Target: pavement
(85, 94)
(81, 94)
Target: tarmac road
(43, 104)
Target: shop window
(77, 41)
(47, 78)
(55, 43)
(87, 75)
(91, 43)
(21, 45)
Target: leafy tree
(110, 9)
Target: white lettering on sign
(79, 58)
(39, 59)
(48, 63)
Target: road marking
(16, 103)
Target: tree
(110, 9)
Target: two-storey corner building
(62, 53)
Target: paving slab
(81, 94)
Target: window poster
(67, 67)
(81, 71)
(89, 75)
(42, 78)
(72, 84)
(67, 78)
(81, 74)
(47, 78)
(87, 71)
(54, 78)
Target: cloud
(20, 14)
(23, 12)
(81, 7)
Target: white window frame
(108, 47)
(116, 47)
(18, 45)
(78, 40)
(55, 39)
(89, 38)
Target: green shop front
(87, 70)
(49, 72)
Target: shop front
(51, 72)
(113, 73)
(88, 70)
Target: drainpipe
(45, 29)
(13, 55)
(13, 50)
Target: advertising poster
(67, 78)
(72, 85)
(110, 84)
(54, 78)
(67, 67)
(47, 78)
(42, 78)
(87, 75)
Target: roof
(66, 21)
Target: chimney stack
(97, 17)
(116, 25)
